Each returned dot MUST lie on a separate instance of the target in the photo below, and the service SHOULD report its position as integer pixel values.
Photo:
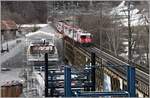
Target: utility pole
(46, 76)
(129, 37)
(91, 4)
(73, 28)
(100, 32)
(93, 71)
(149, 31)
(7, 46)
(2, 42)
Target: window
(83, 37)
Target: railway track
(119, 69)
(140, 75)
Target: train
(73, 32)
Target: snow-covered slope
(135, 15)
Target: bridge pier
(139, 94)
(121, 83)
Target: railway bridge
(79, 56)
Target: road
(11, 43)
(12, 75)
(14, 60)
(15, 49)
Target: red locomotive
(74, 33)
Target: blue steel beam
(98, 94)
(72, 73)
(131, 81)
(76, 79)
(54, 85)
(67, 87)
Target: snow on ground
(11, 43)
(45, 32)
(40, 84)
(8, 76)
(12, 52)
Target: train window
(75, 34)
(65, 29)
(70, 31)
(83, 36)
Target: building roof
(32, 25)
(8, 25)
(38, 35)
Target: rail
(143, 68)
(141, 75)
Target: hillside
(24, 11)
